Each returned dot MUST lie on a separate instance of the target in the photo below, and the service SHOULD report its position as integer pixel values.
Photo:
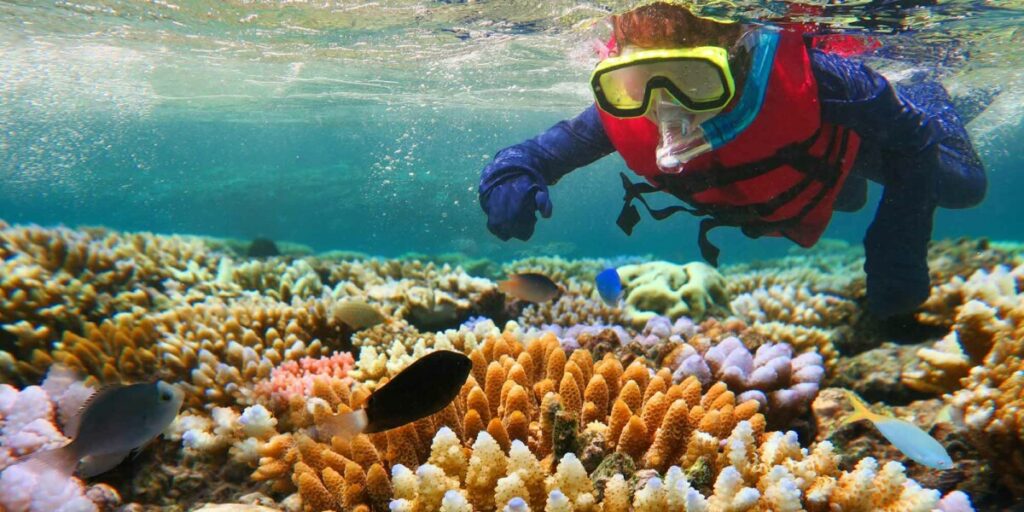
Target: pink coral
(295, 378)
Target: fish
(423, 388)
(530, 287)
(358, 314)
(609, 286)
(905, 436)
(114, 422)
(262, 247)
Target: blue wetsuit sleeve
(926, 160)
(857, 97)
(515, 184)
(566, 146)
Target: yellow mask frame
(699, 79)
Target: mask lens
(696, 83)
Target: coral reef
(662, 288)
(799, 316)
(991, 400)
(523, 433)
(669, 402)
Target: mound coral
(784, 385)
(662, 288)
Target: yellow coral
(663, 288)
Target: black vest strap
(629, 216)
(749, 217)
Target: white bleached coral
(28, 425)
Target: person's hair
(664, 25)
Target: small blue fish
(907, 437)
(609, 285)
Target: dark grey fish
(262, 247)
(115, 421)
(425, 387)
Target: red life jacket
(778, 177)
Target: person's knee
(963, 183)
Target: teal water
(365, 126)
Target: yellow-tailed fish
(907, 437)
(114, 422)
(425, 387)
(358, 314)
(530, 287)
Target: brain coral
(663, 288)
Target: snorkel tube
(683, 139)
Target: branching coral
(798, 316)
(992, 398)
(578, 304)
(832, 266)
(524, 433)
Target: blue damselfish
(609, 285)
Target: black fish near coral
(262, 247)
(425, 387)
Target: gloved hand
(510, 196)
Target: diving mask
(698, 79)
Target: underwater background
(253, 120)
(145, 145)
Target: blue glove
(510, 196)
(515, 184)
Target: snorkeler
(752, 128)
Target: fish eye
(165, 396)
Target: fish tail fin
(64, 460)
(860, 409)
(345, 425)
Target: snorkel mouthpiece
(682, 139)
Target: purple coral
(781, 383)
(568, 336)
(660, 329)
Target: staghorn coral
(662, 288)
(578, 304)
(557, 268)
(979, 311)
(831, 266)
(57, 279)
(276, 278)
